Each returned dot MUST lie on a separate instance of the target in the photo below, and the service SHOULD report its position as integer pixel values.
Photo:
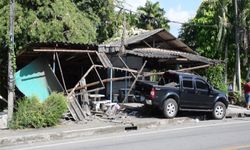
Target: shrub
(54, 107)
(31, 113)
(214, 75)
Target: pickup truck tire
(170, 108)
(219, 111)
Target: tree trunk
(238, 70)
(11, 79)
(226, 61)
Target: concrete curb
(58, 135)
(237, 112)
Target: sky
(176, 10)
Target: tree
(103, 13)
(42, 21)
(151, 16)
(244, 23)
(211, 31)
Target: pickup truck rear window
(169, 78)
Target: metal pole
(111, 84)
(11, 80)
(54, 63)
(238, 75)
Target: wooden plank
(183, 69)
(100, 79)
(61, 72)
(193, 68)
(107, 61)
(147, 44)
(77, 109)
(65, 50)
(72, 90)
(126, 97)
(104, 60)
(97, 89)
(125, 65)
(85, 99)
(71, 110)
(98, 82)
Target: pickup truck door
(203, 97)
(187, 93)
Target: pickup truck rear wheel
(219, 111)
(170, 108)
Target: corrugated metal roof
(168, 38)
(162, 53)
(66, 45)
(137, 38)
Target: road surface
(232, 134)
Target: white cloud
(179, 14)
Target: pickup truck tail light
(153, 93)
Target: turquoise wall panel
(37, 79)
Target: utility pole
(238, 70)
(11, 80)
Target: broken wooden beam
(61, 72)
(98, 82)
(193, 68)
(126, 65)
(126, 97)
(64, 50)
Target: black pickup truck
(178, 91)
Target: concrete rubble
(133, 117)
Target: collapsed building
(107, 71)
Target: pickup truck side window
(187, 83)
(201, 85)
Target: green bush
(54, 107)
(214, 75)
(31, 113)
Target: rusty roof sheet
(162, 53)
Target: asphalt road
(220, 135)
